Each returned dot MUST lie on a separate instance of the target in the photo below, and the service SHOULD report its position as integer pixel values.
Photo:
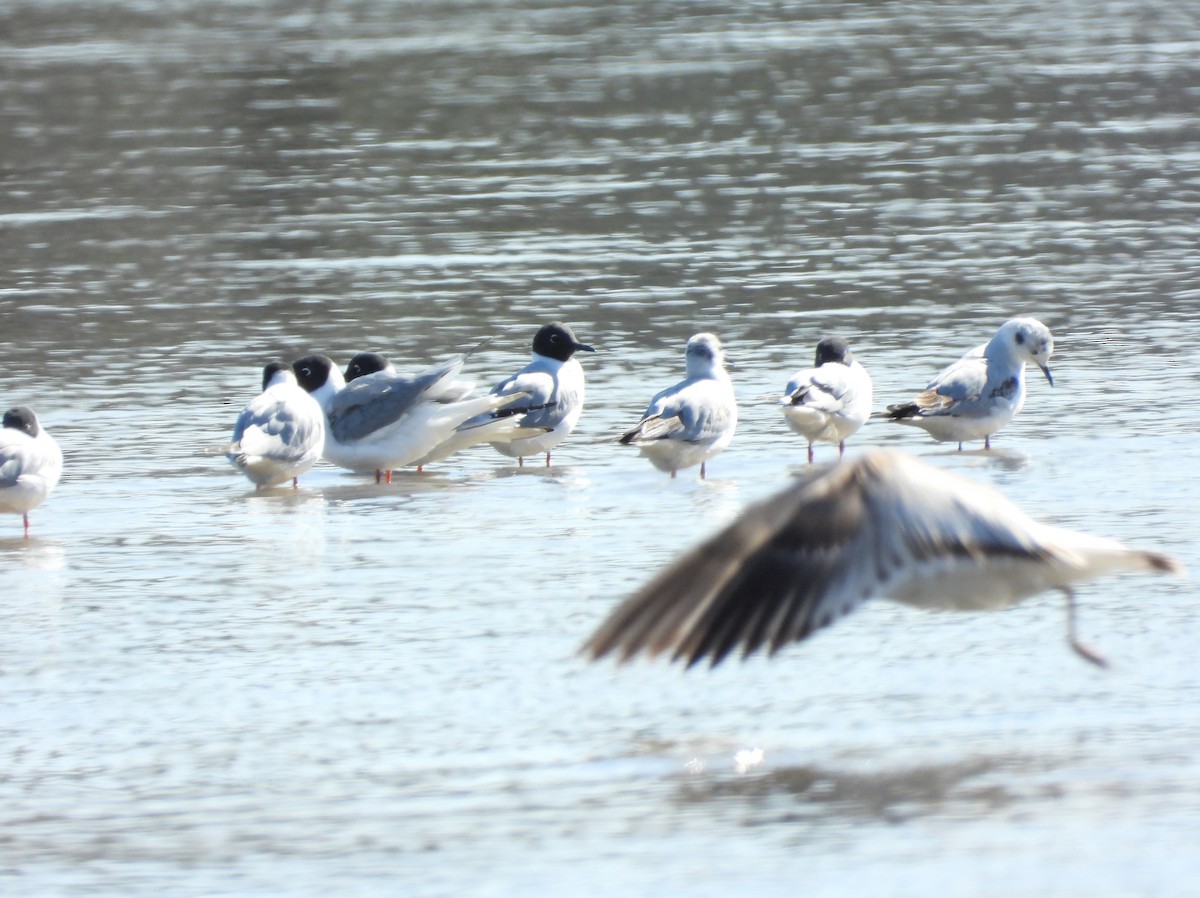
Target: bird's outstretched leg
(1088, 654)
(810, 453)
(841, 448)
(701, 470)
(987, 442)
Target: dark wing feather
(764, 580)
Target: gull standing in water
(981, 392)
(689, 423)
(830, 401)
(487, 427)
(882, 525)
(280, 434)
(30, 463)
(553, 385)
(383, 421)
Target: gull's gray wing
(691, 411)
(827, 389)
(368, 404)
(805, 557)
(963, 381)
(275, 428)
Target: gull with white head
(980, 393)
(689, 423)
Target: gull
(553, 386)
(498, 425)
(280, 434)
(383, 421)
(981, 392)
(30, 463)
(883, 525)
(830, 401)
(689, 423)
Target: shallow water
(372, 690)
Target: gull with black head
(30, 463)
(553, 386)
(280, 434)
(830, 401)
(384, 420)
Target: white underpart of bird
(829, 402)
(383, 421)
(689, 423)
(31, 463)
(980, 393)
(882, 525)
(280, 434)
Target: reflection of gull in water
(981, 392)
(884, 525)
(30, 463)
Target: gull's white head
(705, 358)
(1024, 340)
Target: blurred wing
(800, 560)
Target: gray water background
(363, 690)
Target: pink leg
(387, 475)
(25, 517)
(841, 448)
(810, 453)
(420, 469)
(547, 459)
(701, 470)
(987, 442)
(295, 483)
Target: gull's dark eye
(1020, 337)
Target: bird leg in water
(987, 442)
(1088, 654)
(702, 470)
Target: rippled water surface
(374, 690)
